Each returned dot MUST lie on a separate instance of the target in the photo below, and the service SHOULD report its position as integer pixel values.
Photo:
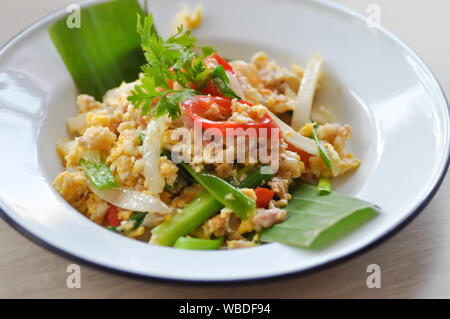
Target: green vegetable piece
(105, 50)
(167, 61)
(324, 186)
(322, 152)
(225, 193)
(142, 138)
(309, 214)
(171, 187)
(221, 80)
(193, 215)
(198, 244)
(257, 178)
(138, 217)
(99, 174)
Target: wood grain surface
(414, 263)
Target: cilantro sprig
(167, 61)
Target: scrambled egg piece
(189, 20)
(96, 138)
(243, 113)
(187, 195)
(269, 84)
(168, 170)
(96, 208)
(72, 186)
(125, 159)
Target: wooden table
(414, 263)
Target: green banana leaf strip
(105, 50)
(309, 214)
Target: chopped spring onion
(221, 80)
(105, 50)
(324, 186)
(198, 244)
(225, 193)
(306, 92)
(323, 155)
(99, 175)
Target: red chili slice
(199, 105)
(113, 216)
(263, 197)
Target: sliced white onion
(132, 200)
(77, 124)
(152, 153)
(294, 138)
(306, 92)
(235, 85)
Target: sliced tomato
(217, 60)
(197, 107)
(113, 216)
(304, 156)
(263, 197)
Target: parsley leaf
(168, 61)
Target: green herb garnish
(167, 61)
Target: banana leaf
(105, 50)
(309, 215)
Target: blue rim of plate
(333, 262)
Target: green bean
(198, 244)
(225, 193)
(193, 215)
(198, 211)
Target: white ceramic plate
(395, 105)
